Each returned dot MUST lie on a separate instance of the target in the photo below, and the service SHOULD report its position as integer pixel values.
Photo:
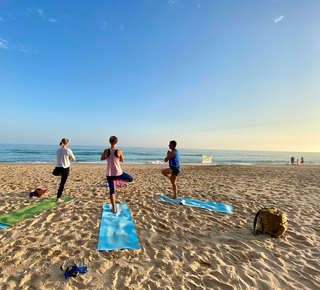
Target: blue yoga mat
(117, 230)
(2, 226)
(202, 204)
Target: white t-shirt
(63, 157)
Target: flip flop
(77, 262)
(65, 265)
(71, 271)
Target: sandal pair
(73, 269)
(76, 262)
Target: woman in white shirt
(64, 154)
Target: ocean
(19, 153)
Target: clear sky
(211, 74)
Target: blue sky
(210, 74)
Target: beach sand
(181, 247)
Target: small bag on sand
(38, 192)
(270, 221)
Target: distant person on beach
(114, 172)
(172, 173)
(302, 160)
(64, 154)
(292, 160)
(297, 161)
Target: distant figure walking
(114, 172)
(302, 160)
(64, 154)
(292, 160)
(172, 173)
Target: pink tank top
(113, 167)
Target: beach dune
(181, 247)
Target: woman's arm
(71, 156)
(120, 154)
(104, 155)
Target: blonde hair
(64, 141)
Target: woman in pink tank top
(114, 172)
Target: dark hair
(113, 140)
(173, 143)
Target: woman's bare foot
(114, 210)
(59, 200)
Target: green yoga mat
(30, 210)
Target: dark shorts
(175, 171)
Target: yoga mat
(29, 211)
(202, 204)
(117, 183)
(2, 226)
(117, 230)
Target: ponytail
(64, 141)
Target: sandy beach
(181, 247)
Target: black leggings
(64, 172)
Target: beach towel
(119, 183)
(207, 159)
(8, 219)
(202, 204)
(117, 230)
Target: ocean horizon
(33, 154)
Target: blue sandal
(72, 270)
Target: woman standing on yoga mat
(114, 172)
(64, 154)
